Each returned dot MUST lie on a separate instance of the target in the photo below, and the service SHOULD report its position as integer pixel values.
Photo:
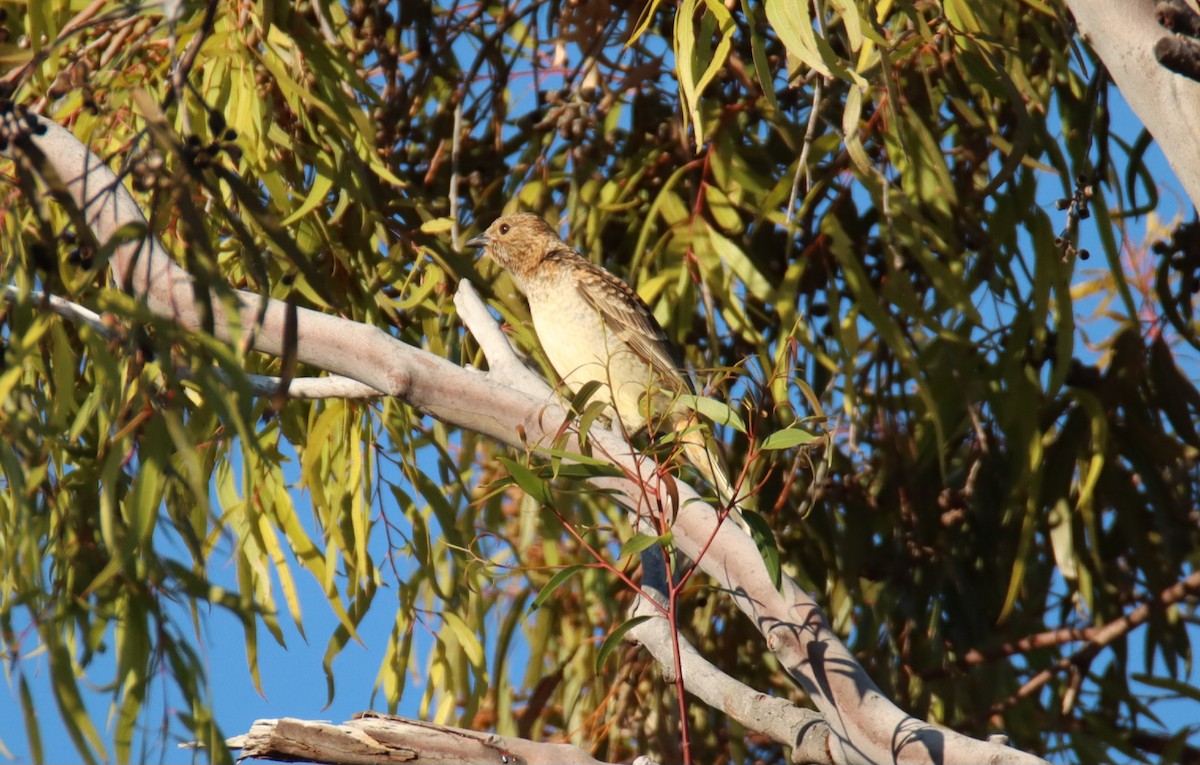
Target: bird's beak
(479, 241)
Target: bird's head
(518, 242)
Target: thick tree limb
(806, 732)
(1124, 35)
(374, 739)
(865, 726)
(778, 719)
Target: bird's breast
(582, 349)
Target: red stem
(677, 660)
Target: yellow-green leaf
(467, 639)
(614, 639)
(792, 23)
(786, 439)
(714, 410)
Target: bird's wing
(627, 316)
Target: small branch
(65, 308)
(677, 640)
(323, 23)
(1035, 642)
(503, 362)
(455, 148)
(333, 386)
(1103, 637)
(183, 67)
(810, 134)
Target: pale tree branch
(1124, 36)
(65, 308)
(805, 731)
(374, 739)
(865, 726)
(332, 386)
(504, 364)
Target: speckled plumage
(594, 327)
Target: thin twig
(677, 664)
(456, 142)
(323, 23)
(810, 134)
(184, 66)
(66, 309)
(1102, 637)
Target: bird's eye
(503, 229)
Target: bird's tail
(701, 450)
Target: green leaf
(715, 411)
(29, 713)
(393, 670)
(316, 197)
(583, 396)
(758, 49)
(736, 259)
(685, 47)
(561, 577)
(764, 540)
(531, 483)
(64, 369)
(1098, 419)
(848, 12)
(1062, 539)
(636, 544)
(644, 20)
(614, 639)
(337, 641)
(1175, 394)
(145, 496)
(133, 654)
(786, 439)
(791, 22)
(1182, 688)
(585, 471)
(595, 410)
(851, 115)
(467, 639)
(693, 53)
(437, 225)
(604, 466)
(65, 681)
(723, 210)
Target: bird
(594, 327)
